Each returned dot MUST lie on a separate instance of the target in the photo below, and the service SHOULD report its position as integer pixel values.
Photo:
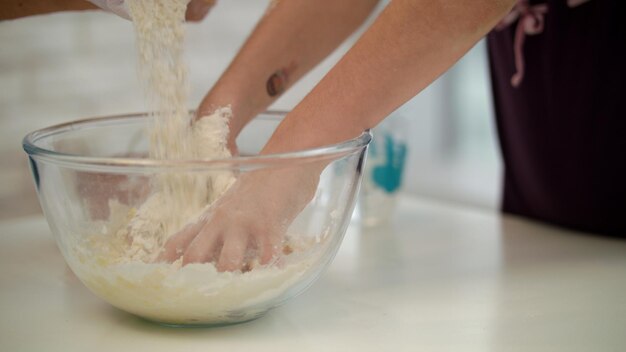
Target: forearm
(12, 9)
(290, 39)
(409, 46)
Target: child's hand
(248, 224)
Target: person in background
(556, 67)
(557, 70)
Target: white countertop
(441, 277)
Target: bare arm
(13, 9)
(292, 37)
(409, 46)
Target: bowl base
(204, 325)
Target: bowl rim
(330, 151)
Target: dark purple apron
(559, 83)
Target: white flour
(181, 197)
(117, 260)
(193, 294)
(160, 41)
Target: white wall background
(62, 67)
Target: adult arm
(13, 9)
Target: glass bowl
(93, 178)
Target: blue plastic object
(388, 175)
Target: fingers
(268, 244)
(177, 244)
(197, 9)
(216, 239)
(233, 252)
(202, 248)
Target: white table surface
(441, 277)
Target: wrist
(245, 104)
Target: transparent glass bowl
(93, 177)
